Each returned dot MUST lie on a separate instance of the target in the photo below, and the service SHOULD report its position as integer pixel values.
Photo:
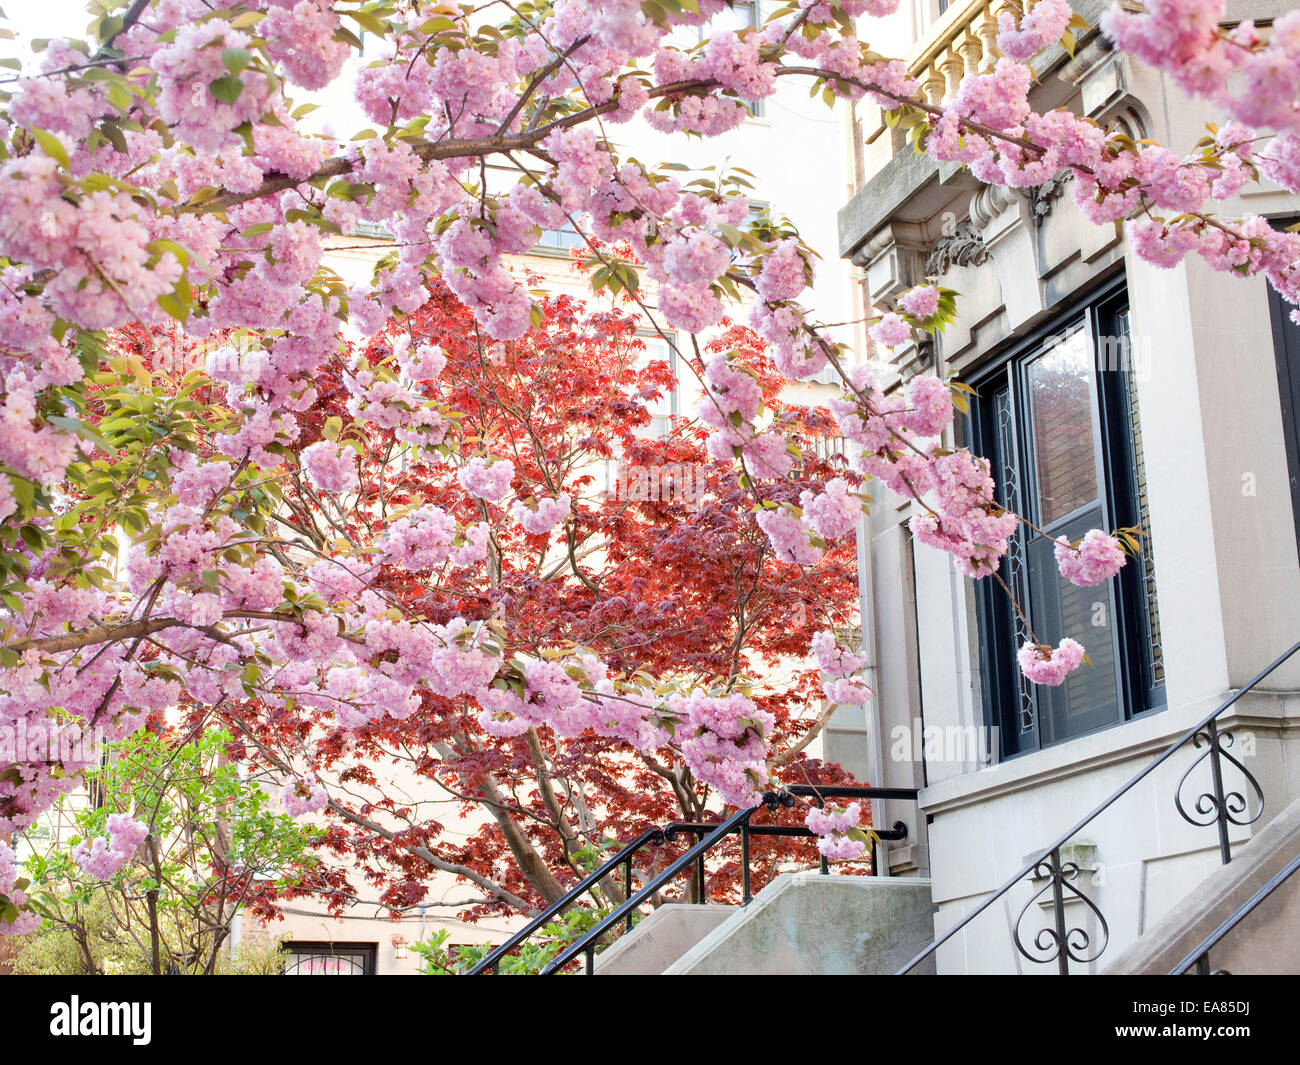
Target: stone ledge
(660, 939)
(1139, 738)
(810, 924)
(1264, 942)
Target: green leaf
(173, 306)
(236, 60)
(368, 21)
(226, 89)
(50, 145)
(84, 431)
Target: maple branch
(493, 889)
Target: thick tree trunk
(530, 862)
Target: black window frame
(1286, 352)
(368, 952)
(1116, 440)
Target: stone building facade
(1109, 393)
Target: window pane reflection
(1061, 398)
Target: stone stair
(1265, 942)
(800, 924)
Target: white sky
(41, 18)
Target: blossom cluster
(331, 467)
(725, 744)
(540, 519)
(1097, 558)
(842, 683)
(26, 920)
(1043, 25)
(104, 857)
(833, 828)
(488, 481)
(1050, 665)
(303, 795)
(428, 537)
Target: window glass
(561, 239)
(662, 406)
(1062, 398)
(739, 16)
(329, 959)
(1090, 696)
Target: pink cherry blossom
(545, 516)
(303, 795)
(920, 302)
(1047, 665)
(891, 331)
(331, 467)
(489, 481)
(1096, 559)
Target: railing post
(591, 960)
(1220, 799)
(744, 862)
(699, 878)
(1058, 914)
(627, 888)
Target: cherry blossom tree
(657, 566)
(161, 173)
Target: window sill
(1138, 739)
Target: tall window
(559, 241)
(663, 406)
(1058, 422)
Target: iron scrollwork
(1218, 806)
(1057, 943)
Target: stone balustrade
(962, 41)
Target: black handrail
(1048, 861)
(587, 944)
(736, 823)
(1200, 953)
(657, 836)
(493, 958)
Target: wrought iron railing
(1220, 807)
(711, 834)
(492, 960)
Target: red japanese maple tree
(668, 575)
